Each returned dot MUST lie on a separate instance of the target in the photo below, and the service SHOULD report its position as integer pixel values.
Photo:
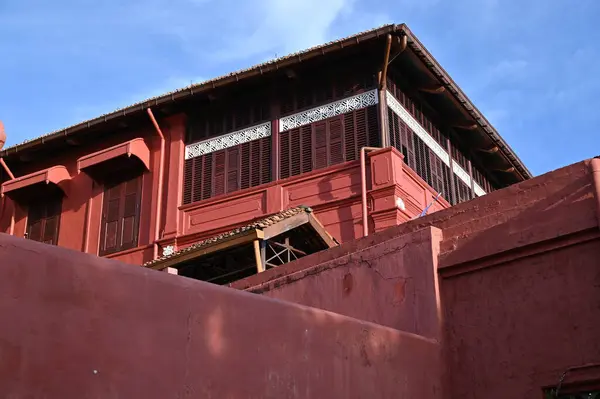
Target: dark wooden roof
(454, 94)
(266, 228)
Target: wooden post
(275, 150)
(260, 267)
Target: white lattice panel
(228, 140)
(416, 127)
(479, 191)
(327, 111)
(461, 173)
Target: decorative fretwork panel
(228, 140)
(330, 110)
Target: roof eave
(194, 89)
(444, 78)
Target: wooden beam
(509, 170)
(325, 236)
(284, 225)
(260, 267)
(437, 89)
(466, 126)
(492, 150)
(239, 239)
(288, 247)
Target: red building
(177, 169)
(493, 298)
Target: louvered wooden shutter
(320, 147)
(235, 168)
(219, 178)
(328, 142)
(120, 215)
(43, 221)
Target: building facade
(165, 173)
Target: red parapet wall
(77, 326)
(515, 295)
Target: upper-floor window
(232, 169)
(43, 220)
(327, 142)
(120, 214)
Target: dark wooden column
(275, 149)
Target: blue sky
(531, 66)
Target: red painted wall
(516, 293)
(494, 298)
(81, 327)
(334, 193)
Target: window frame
(56, 213)
(122, 183)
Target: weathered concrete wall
(513, 329)
(393, 283)
(77, 326)
(518, 275)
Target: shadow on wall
(345, 218)
(83, 326)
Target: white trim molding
(430, 142)
(479, 191)
(228, 140)
(461, 173)
(417, 128)
(316, 114)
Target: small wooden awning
(235, 252)
(38, 183)
(134, 151)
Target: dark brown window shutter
(219, 178)
(235, 168)
(43, 220)
(320, 146)
(327, 142)
(233, 163)
(335, 139)
(120, 215)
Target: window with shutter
(327, 142)
(226, 171)
(43, 220)
(120, 215)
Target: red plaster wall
(513, 329)
(393, 283)
(517, 283)
(78, 326)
